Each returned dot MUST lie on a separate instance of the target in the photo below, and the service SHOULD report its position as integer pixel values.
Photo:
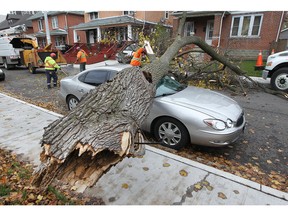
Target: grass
(4, 190)
(249, 67)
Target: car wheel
(72, 102)
(279, 79)
(171, 133)
(2, 78)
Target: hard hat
(53, 55)
(77, 48)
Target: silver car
(179, 115)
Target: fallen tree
(104, 128)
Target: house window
(246, 26)
(128, 12)
(41, 42)
(40, 25)
(54, 22)
(189, 29)
(94, 15)
(166, 15)
(59, 40)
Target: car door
(90, 80)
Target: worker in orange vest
(81, 58)
(137, 56)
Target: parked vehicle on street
(126, 53)
(2, 75)
(17, 49)
(277, 69)
(179, 114)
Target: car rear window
(94, 78)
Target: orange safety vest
(81, 56)
(136, 60)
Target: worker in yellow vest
(50, 69)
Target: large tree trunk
(79, 147)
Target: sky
(160, 5)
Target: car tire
(2, 78)
(171, 133)
(72, 102)
(279, 79)
(7, 66)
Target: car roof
(117, 67)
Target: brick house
(124, 25)
(242, 34)
(59, 22)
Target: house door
(209, 32)
(92, 36)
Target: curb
(32, 105)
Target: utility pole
(47, 28)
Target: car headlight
(229, 123)
(219, 124)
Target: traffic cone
(272, 52)
(259, 62)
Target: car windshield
(167, 86)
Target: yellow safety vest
(50, 63)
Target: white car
(179, 115)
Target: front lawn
(249, 67)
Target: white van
(9, 55)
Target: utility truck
(19, 49)
(277, 69)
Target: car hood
(206, 101)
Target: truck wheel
(31, 68)
(279, 79)
(8, 66)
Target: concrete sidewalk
(159, 178)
